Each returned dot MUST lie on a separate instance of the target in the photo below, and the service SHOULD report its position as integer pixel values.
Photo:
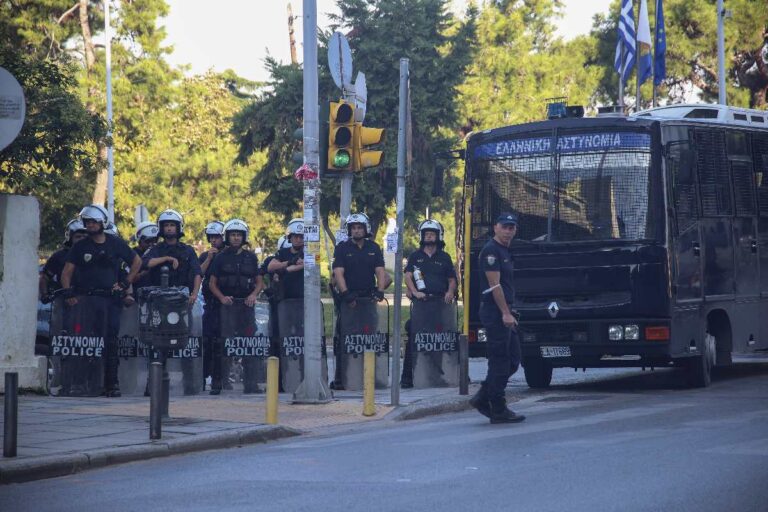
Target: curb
(38, 468)
(431, 407)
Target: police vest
(180, 276)
(236, 273)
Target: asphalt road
(623, 442)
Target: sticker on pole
(305, 173)
(341, 236)
(391, 240)
(311, 233)
(12, 108)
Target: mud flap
(435, 344)
(360, 329)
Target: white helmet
(111, 229)
(431, 225)
(358, 218)
(73, 227)
(94, 212)
(171, 216)
(283, 243)
(215, 227)
(147, 229)
(236, 225)
(295, 227)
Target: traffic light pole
(313, 389)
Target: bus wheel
(698, 369)
(538, 373)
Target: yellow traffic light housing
(365, 137)
(341, 136)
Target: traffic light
(365, 137)
(341, 136)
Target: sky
(239, 34)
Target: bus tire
(538, 373)
(698, 369)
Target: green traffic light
(341, 159)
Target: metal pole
(11, 415)
(721, 98)
(166, 387)
(402, 148)
(621, 79)
(653, 59)
(273, 386)
(313, 389)
(110, 155)
(369, 383)
(463, 364)
(155, 400)
(637, 62)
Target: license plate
(555, 351)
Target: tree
(382, 31)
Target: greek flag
(626, 41)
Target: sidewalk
(59, 436)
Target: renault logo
(553, 309)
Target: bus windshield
(595, 186)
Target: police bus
(643, 240)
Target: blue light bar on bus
(579, 143)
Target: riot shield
(435, 343)
(291, 324)
(132, 367)
(245, 335)
(55, 327)
(79, 346)
(360, 329)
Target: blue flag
(643, 43)
(625, 47)
(660, 42)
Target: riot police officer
(214, 234)
(358, 271)
(50, 275)
(428, 273)
(235, 275)
(288, 263)
(499, 319)
(146, 236)
(97, 260)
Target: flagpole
(637, 61)
(655, 43)
(621, 81)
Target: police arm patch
(490, 259)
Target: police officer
(358, 270)
(97, 260)
(288, 263)
(500, 322)
(235, 275)
(146, 236)
(50, 275)
(428, 273)
(214, 233)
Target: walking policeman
(428, 273)
(235, 275)
(500, 322)
(214, 233)
(94, 268)
(184, 271)
(358, 269)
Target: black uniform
(292, 282)
(210, 316)
(184, 275)
(236, 276)
(97, 268)
(503, 342)
(436, 270)
(53, 268)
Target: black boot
(501, 414)
(480, 402)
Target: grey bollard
(155, 400)
(11, 416)
(463, 365)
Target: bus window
(681, 166)
(741, 173)
(760, 159)
(714, 178)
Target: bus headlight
(631, 332)
(615, 333)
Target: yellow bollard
(273, 365)
(369, 383)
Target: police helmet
(431, 225)
(147, 229)
(111, 229)
(171, 216)
(295, 227)
(358, 218)
(236, 225)
(214, 228)
(283, 243)
(73, 227)
(94, 212)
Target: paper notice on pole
(391, 240)
(311, 232)
(309, 215)
(341, 236)
(309, 260)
